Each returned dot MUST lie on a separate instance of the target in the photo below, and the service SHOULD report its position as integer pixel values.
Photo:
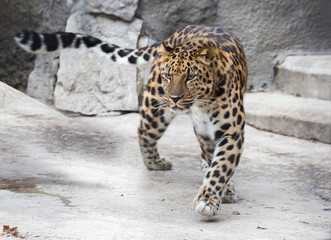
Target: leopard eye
(191, 77)
(167, 76)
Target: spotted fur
(199, 70)
(49, 42)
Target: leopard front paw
(205, 203)
(159, 164)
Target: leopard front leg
(207, 149)
(154, 119)
(228, 148)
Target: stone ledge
(306, 76)
(288, 115)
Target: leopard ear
(204, 56)
(164, 50)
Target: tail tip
(20, 35)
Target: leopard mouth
(180, 109)
(176, 108)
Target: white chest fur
(201, 122)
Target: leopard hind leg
(229, 195)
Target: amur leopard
(199, 70)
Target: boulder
(89, 84)
(124, 9)
(42, 79)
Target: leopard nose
(175, 99)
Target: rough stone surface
(90, 84)
(306, 76)
(15, 15)
(269, 30)
(124, 9)
(162, 18)
(74, 178)
(306, 118)
(42, 79)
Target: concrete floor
(83, 178)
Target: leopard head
(186, 75)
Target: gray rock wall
(272, 30)
(269, 30)
(15, 15)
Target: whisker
(204, 100)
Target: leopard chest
(201, 122)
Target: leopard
(200, 71)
